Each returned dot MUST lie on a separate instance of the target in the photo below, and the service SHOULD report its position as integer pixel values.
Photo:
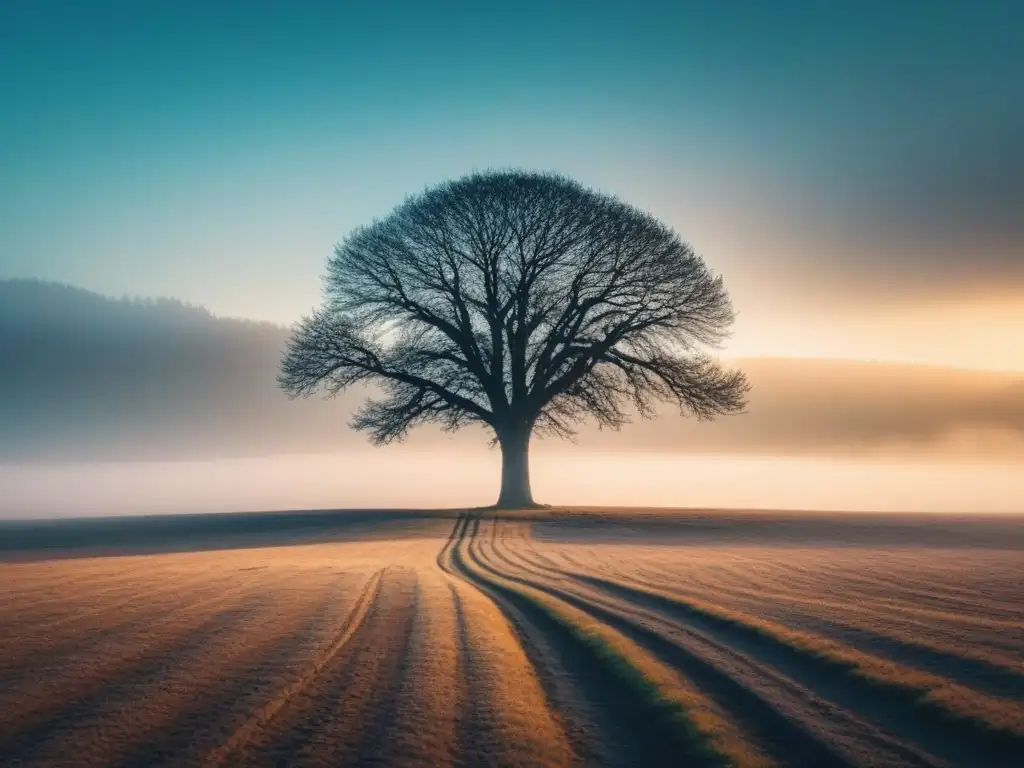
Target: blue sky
(818, 154)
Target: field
(560, 638)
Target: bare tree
(522, 301)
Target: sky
(859, 163)
(854, 171)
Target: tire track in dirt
(646, 733)
(235, 746)
(386, 737)
(337, 719)
(771, 728)
(506, 713)
(788, 721)
(774, 733)
(573, 688)
(193, 712)
(471, 743)
(468, 738)
(422, 721)
(889, 633)
(899, 711)
(886, 712)
(548, 664)
(592, 719)
(982, 674)
(890, 626)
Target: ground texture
(480, 641)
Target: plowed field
(508, 642)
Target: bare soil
(551, 638)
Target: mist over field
(378, 478)
(120, 406)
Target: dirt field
(569, 639)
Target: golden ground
(546, 642)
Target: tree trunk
(515, 468)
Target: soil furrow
(220, 696)
(510, 712)
(772, 728)
(326, 722)
(792, 723)
(231, 751)
(50, 698)
(92, 714)
(895, 710)
(52, 648)
(590, 721)
(149, 724)
(542, 639)
(652, 738)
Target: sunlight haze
(216, 157)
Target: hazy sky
(855, 170)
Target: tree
(522, 301)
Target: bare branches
(422, 384)
(516, 298)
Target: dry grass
(956, 701)
(544, 640)
(701, 731)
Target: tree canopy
(523, 301)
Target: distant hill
(86, 377)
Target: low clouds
(847, 408)
(87, 378)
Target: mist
(97, 379)
(118, 406)
(409, 478)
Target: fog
(406, 478)
(121, 407)
(91, 379)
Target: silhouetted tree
(522, 301)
